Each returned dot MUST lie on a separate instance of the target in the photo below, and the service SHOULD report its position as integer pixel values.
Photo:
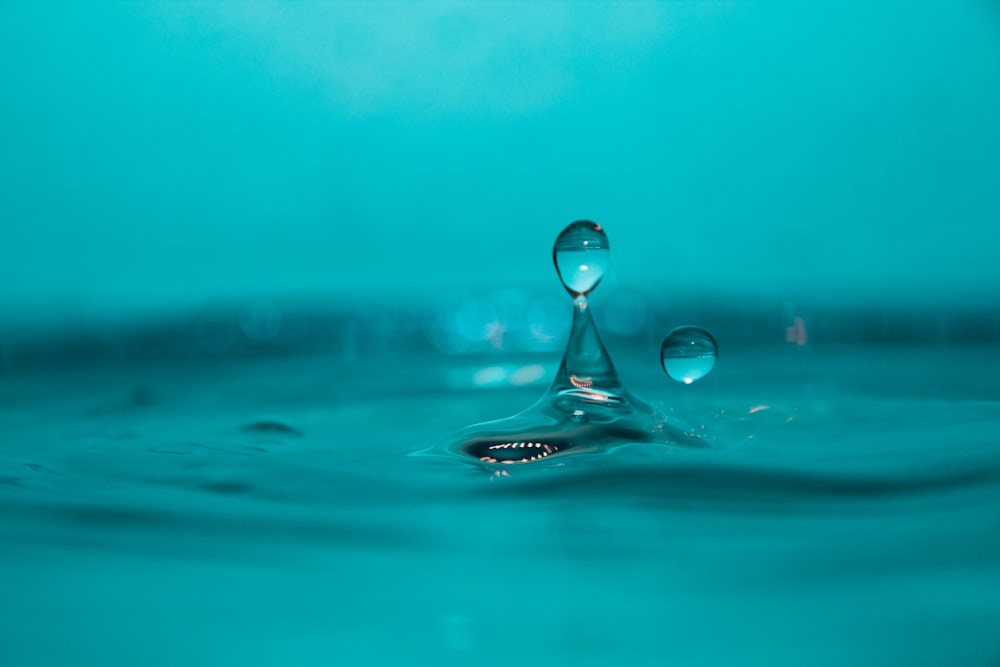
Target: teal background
(256, 256)
(164, 155)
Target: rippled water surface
(271, 511)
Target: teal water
(268, 510)
(254, 256)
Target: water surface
(269, 510)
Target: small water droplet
(688, 354)
(581, 255)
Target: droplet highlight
(688, 354)
(581, 254)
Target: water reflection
(504, 321)
(497, 376)
(796, 333)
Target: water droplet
(581, 255)
(688, 354)
(587, 409)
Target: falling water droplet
(688, 354)
(581, 256)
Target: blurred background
(255, 255)
(242, 160)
